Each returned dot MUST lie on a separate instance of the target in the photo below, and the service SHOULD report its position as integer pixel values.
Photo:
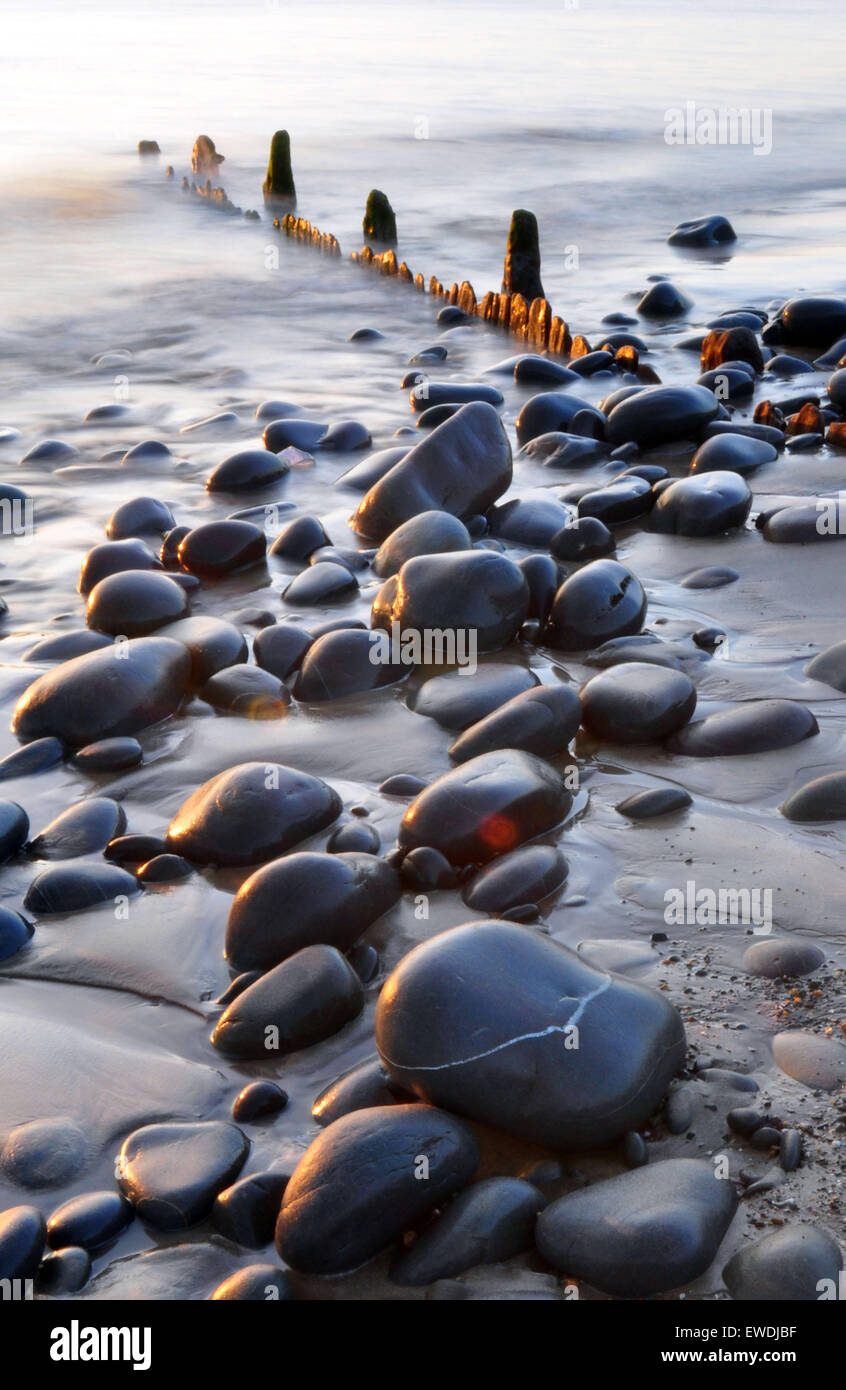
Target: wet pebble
(822, 799)
(97, 696)
(642, 1233)
(307, 998)
(248, 691)
(542, 720)
(360, 1088)
(776, 958)
(250, 468)
(655, 801)
(44, 1153)
(89, 1220)
(64, 1271)
(216, 548)
(306, 899)
(704, 504)
(527, 875)
(813, 1060)
(251, 813)
(111, 558)
(343, 662)
(475, 591)
(15, 933)
(786, 1266)
(75, 887)
(758, 726)
(22, 1235)
(601, 601)
(299, 539)
(456, 700)
(356, 1191)
(472, 1009)
(489, 1221)
(280, 649)
(246, 1212)
(321, 584)
(85, 828)
(485, 807)
(258, 1101)
(109, 755)
(660, 414)
(212, 643)
(172, 1173)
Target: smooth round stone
(135, 604)
(251, 813)
(786, 1266)
(429, 533)
(704, 504)
(171, 1173)
(552, 412)
(661, 414)
(14, 828)
(822, 799)
(402, 784)
(258, 1283)
(663, 301)
(100, 696)
(359, 1088)
(635, 1152)
(134, 849)
(735, 452)
(139, 517)
(355, 838)
(22, 1234)
(246, 1212)
(623, 500)
(169, 550)
(164, 868)
(782, 365)
(109, 755)
(248, 691)
(89, 1221)
(257, 1101)
(345, 662)
(354, 560)
(323, 583)
(729, 383)
(814, 1060)
(212, 644)
(800, 525)
(636, 702)
(462, 467)
(111, 558)
(642, 1233)
(370, 471)
(767, 433)
(829, 666)
(774, 959)
(218, 548)
(85, 828)
(431, 393)
(73, 888)
(250, 468)
(148, 451)
(478, 590)
(530, 521)
(587, 538)
(759, 726)
(468, 1012)
(541, 575)
(38, 756)
(527, 875)
(68, 644)
(489, 1221)
(355, 1190)
(837, 389)
(280, 649)
(15, 933)
(344, 436)
(293, 433)
(425, 870)
(656, 801)
(299, 539)
(455, 700)
(64, 1271)
(601, 601)
(542, 720)
(711, 577)
(558, 449)
(50, 451)
(308, 997)
(44, 1153)
(809, 321)
(303, 900)
(702, 232)
(485, 807)
(744, 1121)
(275, 410)
(530, 369)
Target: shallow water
(109, 1021)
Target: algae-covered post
(521, 274)
(379, 224)
(278, 186)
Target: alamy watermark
(17, 518)
(717, 907)
(692, 124)
(428, 646)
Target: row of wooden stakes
(532, 323)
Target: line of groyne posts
(519, 308)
